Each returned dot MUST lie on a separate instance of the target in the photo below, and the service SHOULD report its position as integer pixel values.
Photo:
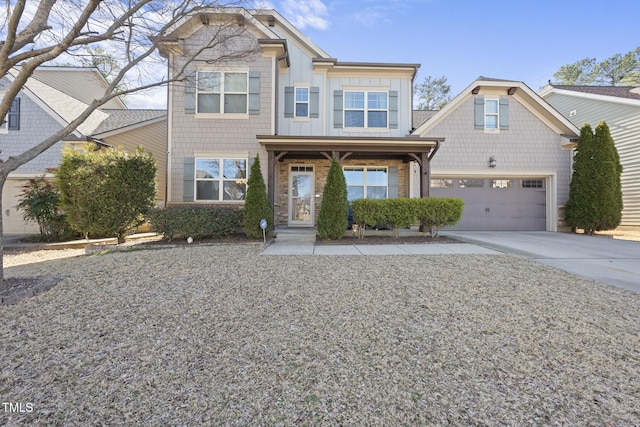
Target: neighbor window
(366, 109)
(471, 183)
(441, 183)
(366, 182)
(222, 92)
(501, 183)
(491, 114)
(302, 102)
(532, 183)
(221, 179)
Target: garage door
(12, 217)
(516, 204)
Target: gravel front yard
(219, 335)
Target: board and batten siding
(624, 125)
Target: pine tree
(334, 211)
(256, 204)
(595, 193)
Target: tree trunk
(3, 179)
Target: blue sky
(524, 40)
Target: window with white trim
(222, 92)
(4, 121)
(491, 114)
(366, 182)
(221, 179)
(302, 102)
(366, 109)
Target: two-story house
(51, 98)
(255, 85)
(247, 82)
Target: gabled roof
(619, 94)
(65, 92)
(528, 98)
(81, 83)
(121, 120)
(420, 117)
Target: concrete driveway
(607, 260)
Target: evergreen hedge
(432, 212)
(334, 210)
(107, 192)
(256, 204)
(197, 222)
(595, 192)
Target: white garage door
(511, 204)
(12, 221)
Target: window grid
(302, 102)
(221, 179)
(491, 113)
(366, 182)
(366, 109)
(222, 92)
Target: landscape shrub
(399, 213)
(197, 222)
(595, 192)
(106, 192)
(433, 213)
(256, 204)
(334, 211)
(39, 202)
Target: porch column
(425, 174)
(271, 177)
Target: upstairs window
(491, 114)
(302, 102)
(222, 92)
(366, 109)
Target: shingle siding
(191, 134)
(528, 145)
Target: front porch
(374, 168)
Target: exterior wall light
(492, 162)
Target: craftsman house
(248, 82)
(619, 107)
(51, 98)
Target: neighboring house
(507, 154)
(619, 107)
(51, 98)
(294, 105)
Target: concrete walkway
(607, 260)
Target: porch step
(295, 235)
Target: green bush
(432, 212)
(334, 211)
(595, 192)
(40, 202)
(107, 192)
(399, 213)
(197, 222)
(256, 204)
(436, 212)
(368, 213)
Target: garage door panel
(498, 204)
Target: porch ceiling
(356, 145)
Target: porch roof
(357, 144)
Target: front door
(301, 199)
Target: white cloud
(306, 13)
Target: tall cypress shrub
(334, 210)
(595, 193)
(608, 170)
(256, 204)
